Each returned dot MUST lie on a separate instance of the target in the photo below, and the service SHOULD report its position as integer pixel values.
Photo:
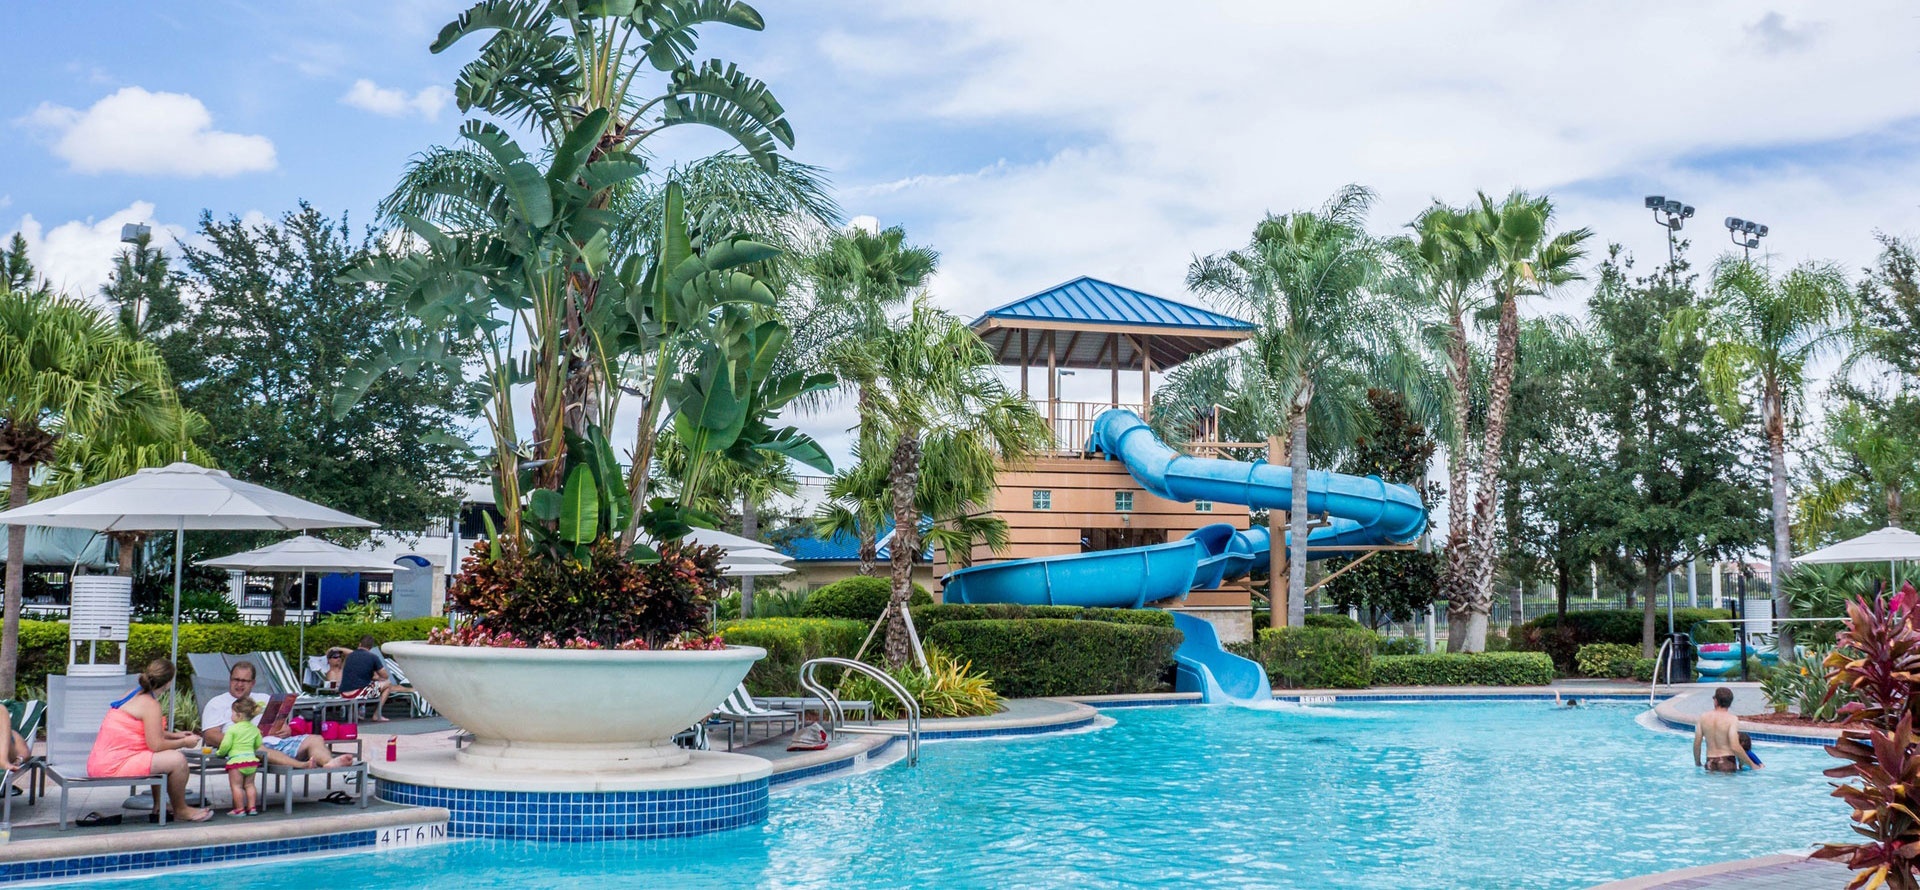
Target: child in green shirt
(241, 748)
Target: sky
(1034, 142)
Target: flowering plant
(1877, 658)
(522, 600)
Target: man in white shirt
(279, 745)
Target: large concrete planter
(572, 711)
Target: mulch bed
(1786, 720)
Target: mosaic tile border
(156, 860)
(1777, 738)
(1388, 697)
(589, 815)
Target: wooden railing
(1072, 424)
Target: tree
(1675, 488)
(64, 370)
(929, 390)
(143, 291)
(1889, 308)
(857, 506)
(1760, 335)
(16, 268)
(1394, 585)
(1321, 337)
(1865, 469)
(274, 333)
(1522, 259)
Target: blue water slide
(1363, 511)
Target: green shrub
(1333, 620)
(196, 607)
(791, 642)
(860, 598)
(1400, 646)
(926, 618)
(1606, 659)
(1561, 637)
(43, 644)
(1641, 669)
(1051, 656)
(952, 689)
(1464, 669)
(1313, 657)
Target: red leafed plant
(1877, 656)
(527, 600)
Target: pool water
(1431, 795)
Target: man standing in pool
(1721, 731)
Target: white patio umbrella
(303, 554)
(1891, 545)
(179, 497)
(753, 569)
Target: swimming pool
(1439, 795)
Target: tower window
(1123, 501)
(1042, 499)
(1203, 506)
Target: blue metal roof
(1087, 299)
(843, 547)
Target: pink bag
(300, 726)
(339, 732)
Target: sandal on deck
(96, 820)
(339, 797)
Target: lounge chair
(76, 708)
(811, 704)
(279, 676)
(740, 708)
(418, 706)
(26, 717)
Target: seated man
(362, 675)
(280, 746)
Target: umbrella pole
(299, 665)
(179, 533)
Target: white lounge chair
(419, 706)
(76, 708)
(740, 708)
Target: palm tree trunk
(749, 527)
(16, 581)
(904, 480)
(126, 545)
(1782, 519)
(1456, 577)
(1486, 495)
(277, 608)
(1297, 525)
(869, 553)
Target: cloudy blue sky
(1033, 142)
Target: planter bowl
(572, 710)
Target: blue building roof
(1091, 300)
(1089, 323)
(842, 547)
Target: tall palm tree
(856, 281)
(1761, 333)
(1322, 335)
(64, 370)
(159, 433)
(856, 506)
(1870, 455)
(928, 386)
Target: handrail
(1666, 651)
(836, 716)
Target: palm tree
(1322, 336)
(1761, 333)
(1522, 260)
(159, 433)
(64, 370)
(856, 506)
(928, 386)
(1870, 455)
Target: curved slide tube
(1363, 510)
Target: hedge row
(43, 644)
(1030, 657)
(791, 642)
(1464, 669)
(926, 618)
(1264, 618)
(1613, 660)
(1562, 636)
(1313, 657)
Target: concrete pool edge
(1677, 712)
(1738, 873)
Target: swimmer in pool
(1720, 730)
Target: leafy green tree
(16, 268)
(1393, 585)
(1864, 470)
(1761, 334)
(143, 290)
(64, 370)
(1322, 336)
(1889, 308)
(275, 332)
(929, 391)
(857, 505)
(1677, 487)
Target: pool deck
(1789, 871)
(1683, 710)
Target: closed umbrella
(303, 554)
(178, 497)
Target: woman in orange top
(134, 741)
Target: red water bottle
(393, 746)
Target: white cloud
(390, 102)
(76, 256)
(141, 132)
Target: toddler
(241, 748)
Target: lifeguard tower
(1069, 501)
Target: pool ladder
(837, 719)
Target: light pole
(1746, 233)
(1672, 215)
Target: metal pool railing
(837, 719)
